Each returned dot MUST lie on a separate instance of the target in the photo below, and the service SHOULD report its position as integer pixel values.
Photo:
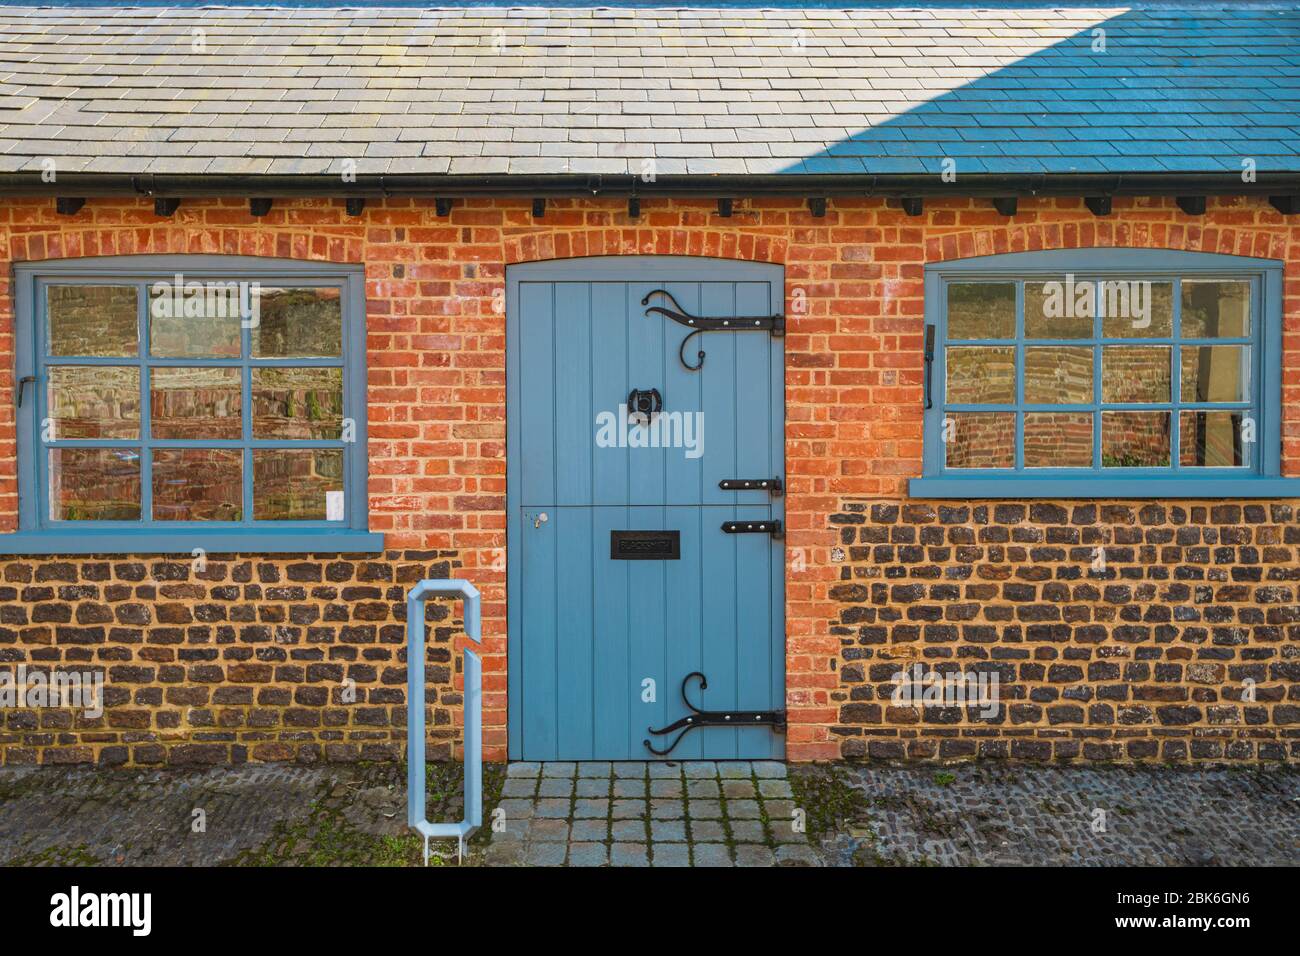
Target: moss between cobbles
(56, 855)
(14, 786)
(328, 837)
(826, 797)
(834, 807)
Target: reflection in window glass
(1210, 439)
(198, 484)
(296, 484)
(94, 484)
(94, 321)
(982, 310)
(1059, 309)
(297, 403)
(1215, 309)
(979, 375)
(1134, 439)
(93, 402)
(980, 439)
(195, 403)
(1058, 440)
(298, 323)
(196, 319)
(1058, 375)
(191, 370)
(1098, 370)
(1215, 373)
(1136, 308)
(1135, 374)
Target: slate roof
(484, 91)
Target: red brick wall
(437, 339)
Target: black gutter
(787, 184)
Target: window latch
(929, 363)
(21, 387)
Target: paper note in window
(333, 506)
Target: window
(1123, 372)
(173, 403)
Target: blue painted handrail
(473, 697)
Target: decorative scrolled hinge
(774, 324)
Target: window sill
(1089, 487)
(185, 542)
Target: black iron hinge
(774, 324)
(775, 719)
(772, 486)
(772, 527)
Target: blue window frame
(1103, 372)
(173, 403)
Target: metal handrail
(473, 709)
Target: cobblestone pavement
(660, 814)
(146, 818)
(1000, 815)
(696, 813)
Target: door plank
(538, 636)
(576, 555)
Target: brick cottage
(916, 384)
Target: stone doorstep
(660, 814)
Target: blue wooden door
(599, 646)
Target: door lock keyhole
(540, 520)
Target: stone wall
(1117, 630)
(236, 658)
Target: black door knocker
(643, 404)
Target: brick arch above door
(707, 240)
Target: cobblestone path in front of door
(692, 813)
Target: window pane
(1058, 440)
(299, 323)
(981, 310)
(94, 484)
(1136, 308)
(92, 320)
(1058, 375)
(297, 402)
(195, 403)
(981, 375)
(98, 402)
(1210, 439)
(1134, 439)
(1131, 374)
(1215, 373)
(196, 319)
(197, 484)
(297, 484)
(980, 439)
(1053, 310)
(1215, 309)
